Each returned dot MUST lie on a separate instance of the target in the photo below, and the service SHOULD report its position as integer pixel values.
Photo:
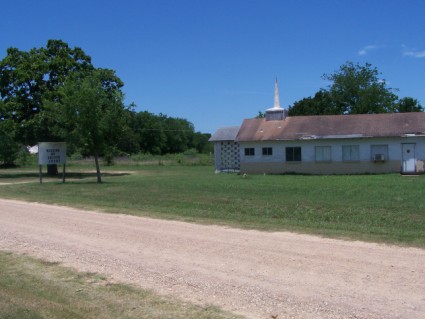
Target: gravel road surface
(256, 274)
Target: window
(249, 151)
(350, 153)
(293, 154)
(267, 151)
(379, 153)
(323, 153)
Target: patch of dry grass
(34, 289)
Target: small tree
(91, 113)
(260, 115)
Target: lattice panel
(230, 155)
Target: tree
(90, 113)
(129, 140)
(200, 142)
(27, 79)
(260, 115)
(179, 133)
(320, 104)
(357, 89)
(8, 147)
(38, 88)
(408, 104)
(354, 89)
(161, 134)
(150, 132)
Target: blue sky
(215, 62)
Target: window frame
(376, 149)
(324, 158)
(249, 151)
(354, 153)
(295, 155)
(267, 151)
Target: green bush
(24, 158)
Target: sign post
(51, 153)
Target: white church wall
(362, 163)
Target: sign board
(51, 153)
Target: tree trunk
(96, 160)
(52, 169)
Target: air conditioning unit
(378, 157)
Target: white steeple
(276, 96)
(276, 112)
(276, 106)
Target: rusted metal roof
(333, 127)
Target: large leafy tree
(354, 89)
(28, 79)
(90, 113)
(357, 89)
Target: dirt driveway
(252, 273)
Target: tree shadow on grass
(78, 175)
(68, 175)
(18, 175)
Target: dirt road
(253, 273)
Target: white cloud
(414, 53)
(365, 50)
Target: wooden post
(40, 174)
(63, 174)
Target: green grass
(34, 289)
(381, 208)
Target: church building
(322, 144)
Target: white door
(409, 161)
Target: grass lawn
(33, 289)
(383, 208)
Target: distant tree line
(54, 93)
(354, 89)
(161, 134)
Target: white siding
(276, 163)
